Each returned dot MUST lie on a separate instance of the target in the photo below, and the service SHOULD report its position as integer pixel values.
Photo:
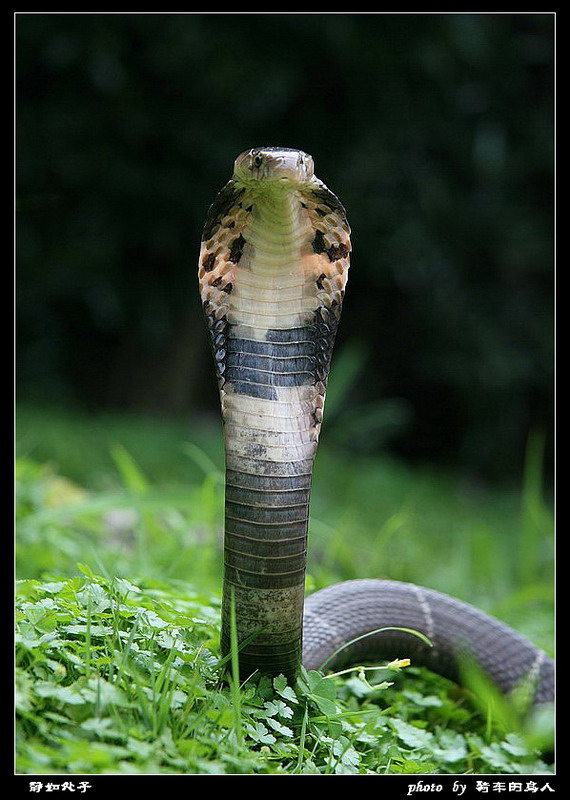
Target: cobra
(273, 269)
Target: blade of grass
(129, 470)
(302, 736)
(235, 682)
(371, 633)
(536, 524)
(203, 461)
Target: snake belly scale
(273, 268)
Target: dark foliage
(435, 130)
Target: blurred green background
(436, 131)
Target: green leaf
(53, 588)
(279, 708)
(451, 747)
(282, 688)
(259, 733)
(410, 735)
(70, 695)
(153, 620)
(425, 701)
(24, 691)
(277, 726)
(495, 755)
(515, 745)
(95, 597)
(126, 587)
(27, 588)
(320, 690)
(106, 694)
(86, 570)
(94, 630)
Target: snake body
(273, 268)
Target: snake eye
(257, 161)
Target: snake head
(273, 165)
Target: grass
(119, 574)
(115, 677)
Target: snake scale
(273, 268)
